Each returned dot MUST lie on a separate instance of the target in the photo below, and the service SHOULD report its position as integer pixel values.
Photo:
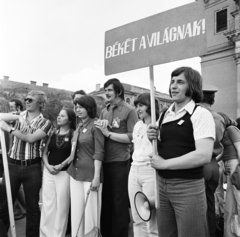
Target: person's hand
(152, 132)
(23, 124)
(4, 126)
(102, 123)
(51, 169)
(157, 162)
(104, 130)
(95, 184)
(58, 167)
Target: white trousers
(78, 193)
(141, 178)
(55, 204)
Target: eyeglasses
(29, 100)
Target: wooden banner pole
(7, 181)
(154, 142)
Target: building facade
(57, 98)
(221, 65)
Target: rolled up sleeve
(98, 145)
(131, 121)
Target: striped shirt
(22, 150)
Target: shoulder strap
(162, 117)
(194, 110)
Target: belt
(25, 162)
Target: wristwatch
(12, 129)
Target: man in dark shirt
(116, 123)
(211, 170)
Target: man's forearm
(123, 138)
(8, 117)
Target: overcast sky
(61, 42)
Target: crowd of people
(87, 170)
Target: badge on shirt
(84, 130)
(116, 123)
(66, 139)
(181, 122)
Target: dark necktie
(110, 114)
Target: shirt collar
(25, 114)
(86, 122)
(119, 105)
(189, 107)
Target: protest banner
(166, 37)
(169, 36)
(7, 182)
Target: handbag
(235, 177)
(95, 232)
(219, 225)
(235, 227)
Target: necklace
(61, 140)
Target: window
(221, 20)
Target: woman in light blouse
(141, 176)
(86, 167)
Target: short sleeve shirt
(22, 150)
(231, 136)
(142, 146)
(202, 120)
(124, 119)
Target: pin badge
(84, 130)
(181, 122)
(66, 139)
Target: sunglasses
(29, 100)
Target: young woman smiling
(55, 188)
(141, 176)
(86, 168)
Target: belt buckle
(24, 162)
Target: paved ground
(20, 229)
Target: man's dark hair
(208, 98)
(80, 92)
(145, 99)
(88, 103)
(18, 103)
(194, 81)
(117, 86)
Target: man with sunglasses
(24, 159)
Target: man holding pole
(187, 133)
(116, 123)
(24, 159)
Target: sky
(61, 42)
